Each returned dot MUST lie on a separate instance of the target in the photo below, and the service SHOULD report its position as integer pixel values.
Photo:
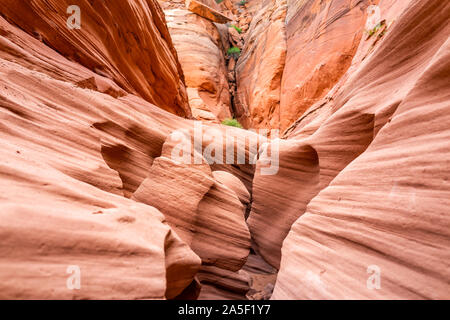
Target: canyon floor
(121, 177)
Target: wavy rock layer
(385, 213)
(201, 53)
(260, 67)
(322, 38)
(97, 179)
(76, 146)
(62, 203)
(118, 39)
(295, 52)
(206, 213)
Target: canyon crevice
(115, 157)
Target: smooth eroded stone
(206, 11)
(380, 228)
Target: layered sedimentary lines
(260, 67)
(73, 151)
(386, 210)
(322, 37)
(202, 55)
(114, 41)
(108, 191)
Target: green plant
(232, 123)
(219, 1)
(375, 29)
(234, 52)
(237, 28)
(243, 2)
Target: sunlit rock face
(322, 38)
(260, 67)
(208, 9)
(202, 56)
(295, 52)
(96, 202)
(380, 228)
(120, 40)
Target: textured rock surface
(74, 150)
(123, 250)
(260, 67)
(278, 200)
(322, 37)
(176, 189)
(306, 166)
(96, 178)
(233, 183)
(262, 277)
(201, 53)
(120, 40)
(220, 284)
(207, 9)
(206, 214)
(60, 199)
(295, 52)
(221, 231)
(388, 209)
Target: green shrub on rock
(232, 123)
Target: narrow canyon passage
(203, 149)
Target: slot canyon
(225, 150)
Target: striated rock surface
(220, 284)
(201, 53)
(118, 40)
(385, 213)
(278, 200)
(62, 205)
(206, 213)
(233, 183)
(106, 195)
(75, 148)
(260, 67)
(120, 249)
(307, 166)
(207, 9)
(322, 38)
(295, 52)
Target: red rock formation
(77, 148)
(322, 37)
(294, 53)
(220, 284)
(201, 53)
(261, 66)
(233, 183)
(60, 202)
(119, 40)
(387, 210)
(207, 9)
(207, 214)
(306, 166)
(278, 200)
(97, 179)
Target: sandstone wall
(201, 53)
(295, 52)
(381, 138)
(126, 41)
(260, 67)
(75, 148)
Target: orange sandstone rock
(385, 214)
(124, 41)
